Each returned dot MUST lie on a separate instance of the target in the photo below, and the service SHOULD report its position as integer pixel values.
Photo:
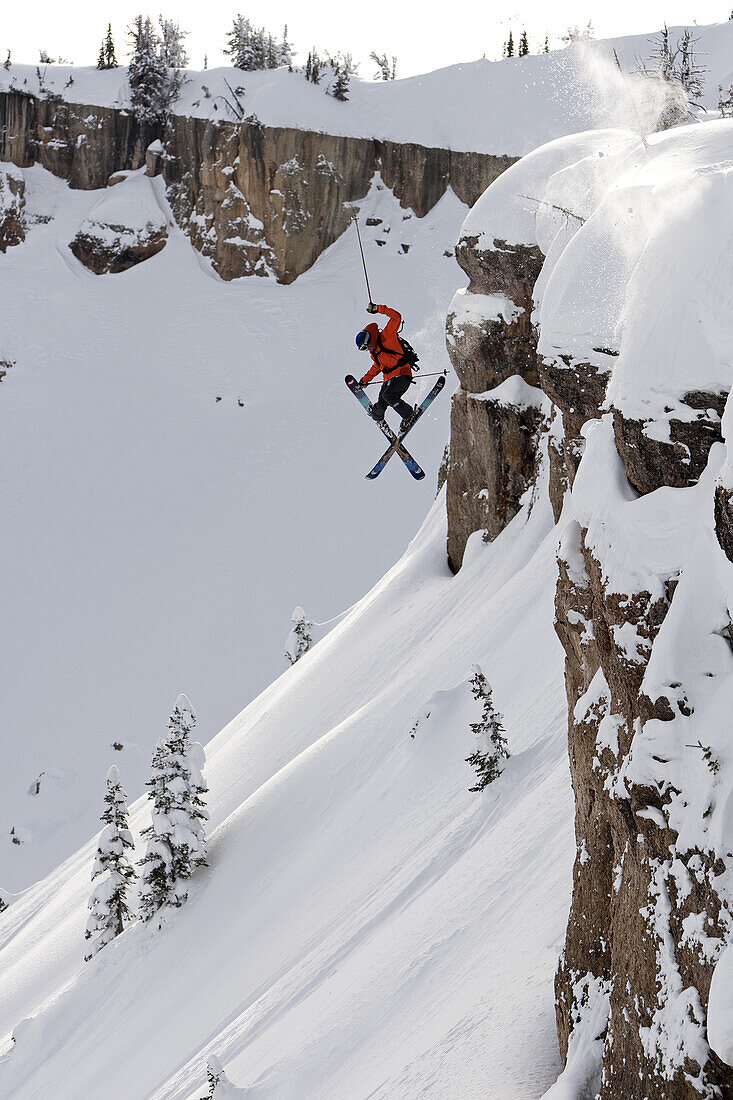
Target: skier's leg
(395, 390)
(380, 405)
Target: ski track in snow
(363, 903)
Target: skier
(389, 357)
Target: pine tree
(523, 44)
(110, 61)
(341, 84)
(172, 48)
(510, 45)
(286, 50)
(153, 88)
(547, 44)
(176, 843)
(492, 744)
(239, 46)
(385, 71)
(300, 638)
(108, 903)
(101, 60)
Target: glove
(371, 308)
(362, 382)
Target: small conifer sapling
(300, 638)
(491, 746)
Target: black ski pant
(391, 393)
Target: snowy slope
(155, 539)
(504, 107)
(356, 932)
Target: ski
(395, 444)
(426, 401)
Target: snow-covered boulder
(128, 225)
(12, 208)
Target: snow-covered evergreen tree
(300, 638)
(108, 901)
(523, 44)
(110, 60)
(172, 48)
(218, 1081)
(252, 48)
(341, 83)
(491, 746)
(385, 71)
(176, 839)
(238, 43)
(153, 87)
(509, 47)
(107, 58)
(287, 52)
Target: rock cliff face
(12, 209)
(644, 585)
(253, 199)
(497, 413)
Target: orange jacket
(385, 347)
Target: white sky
(421, 35)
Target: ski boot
(406, 423)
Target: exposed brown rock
(288, 188)
(485, 354)
(103, 255)
(625, 847)
(492, 461)
(651, 463)
(578, 390)
(12, 209)
(724, 519)
(493, 445)
(509, 269)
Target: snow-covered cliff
(631, 346)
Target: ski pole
(432, 374)
(356, 220)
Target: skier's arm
(372, 372)
(393, 325)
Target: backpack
(409, 355)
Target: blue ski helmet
(363, 339)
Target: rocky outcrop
(651, 461)
(254, 199)
(494, 429)
(257, 198)
(12, 209)
(108, 249)
(724, 519)
(126, 227)
(84, 145)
